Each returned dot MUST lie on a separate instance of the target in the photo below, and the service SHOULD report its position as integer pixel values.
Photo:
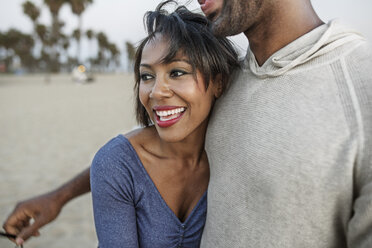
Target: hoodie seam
(295, 70)
(356, 107)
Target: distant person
(81, 75)
(289, 144)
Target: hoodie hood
(317, 42)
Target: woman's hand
(30, 215)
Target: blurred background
(57, 35)
(66, 89)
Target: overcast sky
(121, 20)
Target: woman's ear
(217, 86)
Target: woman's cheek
(144, 93)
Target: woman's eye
(177, 73)
(145, 77)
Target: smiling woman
(149, 186)
(174, 95)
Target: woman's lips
(166, 116)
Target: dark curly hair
(191, 34)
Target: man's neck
(286, 23)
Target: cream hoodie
(290, 148)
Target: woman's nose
(160, 89)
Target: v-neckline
(164, 203)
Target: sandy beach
(48, 133)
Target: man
(289, 143)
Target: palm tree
(78, 7)
(5, 45)
(103, 44)
(76, 35)
(102, 40)
(90, 35)
(18, 44)
(23, 49)
(31, 11)
(54, 7)
(115, 54)
(131, 53)
(2, 41)
(42, 33)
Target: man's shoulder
(346, 42)
(361, 51)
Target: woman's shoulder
(141, 134)
(143, 137)
(124, 147)
(125, 152)
(114, 152)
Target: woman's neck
(188, 150)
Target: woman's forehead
(157, 49)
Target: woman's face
(173, 94)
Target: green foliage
(102, 40)
(42, 32)
(54, 5)
(78, 6)
(48, 45)
(131, 51)
(76, 34)
(90, 34)
(31, 10)
(18, 44)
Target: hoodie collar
(313, 44)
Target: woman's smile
(173, 92)
(166, 116)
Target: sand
(48, 133)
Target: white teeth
(162, 118)
(169, 112)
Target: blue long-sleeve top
(129, 210)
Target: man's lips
(206, 6)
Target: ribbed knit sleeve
(358, 70)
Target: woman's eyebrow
(145, 65)
(180, 60)
(168, 62)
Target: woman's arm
(113, 202)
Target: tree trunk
(78, 52)
(54, 65)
